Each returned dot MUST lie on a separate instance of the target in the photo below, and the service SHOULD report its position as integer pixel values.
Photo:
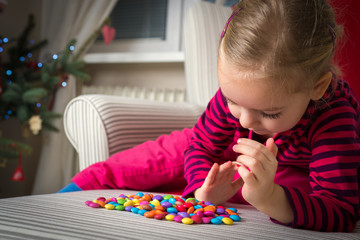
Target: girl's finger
(253, 165)
(270, 144)
(211, 177)
(253, 149)
(248, 177)
(225, 166)
(238, 183)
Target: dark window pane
(139, 19)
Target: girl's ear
(320, 86)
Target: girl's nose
(247, 119)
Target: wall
(162, 75)
(13, 20)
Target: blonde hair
(286, 40)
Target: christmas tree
(28, 86)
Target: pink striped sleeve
(333, 204)
(213, 133)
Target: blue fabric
(72, 187)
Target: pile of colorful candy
(169, 207)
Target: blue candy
(142, 212)
(235, 218)
(171, 210)
(140, 194)
(135, 210)
(216, 221)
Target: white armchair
(101, 125)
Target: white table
(65, 216)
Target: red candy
(197, 219)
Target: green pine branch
(10, 149)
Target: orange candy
(147, 197)
(161, 208)
(199, 210)
(231, 212)
(101, 203)
(158, 212)
(150, 214)
(190, 210)
(210, 208)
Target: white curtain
(62, 21)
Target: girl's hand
(218, 186)
(257, 168)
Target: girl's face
(258, 104)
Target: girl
(289, 126)
(281, 133)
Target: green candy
(167, 197)
(121, 201)
(120, 207)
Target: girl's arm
(213, 133)
(333, 204)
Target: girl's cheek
(234, 112)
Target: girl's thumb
(270, 144)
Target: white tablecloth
(65, 216)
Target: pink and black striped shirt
(318, 159)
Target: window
(146, 31)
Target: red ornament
(32, 65)
(108, 34)
(19, 172)
(2, 5)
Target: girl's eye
(271, 116)
(229, 101)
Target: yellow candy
(109, 206)
(155, 202)
(227, 221)
(169, 217)
(187, 221)
(128, 203)
(96, 201)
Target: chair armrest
(101, 125)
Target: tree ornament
(35, 123)
(3, 3)
(108, 34)
(19, 172)
(32, 65)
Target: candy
(197, 219)
(166, 204)
(235, 218)
(109, 206)
(169, 207)
(159, 216)
(149, 214)
(158, 197)
(178, 219)
(94, 205)
(142, 212)
(206, 219)
(169, 217)
(187, 221)
(135, 210)
(227, 221)
(120, 207)
(216, 221)
(128, 203)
